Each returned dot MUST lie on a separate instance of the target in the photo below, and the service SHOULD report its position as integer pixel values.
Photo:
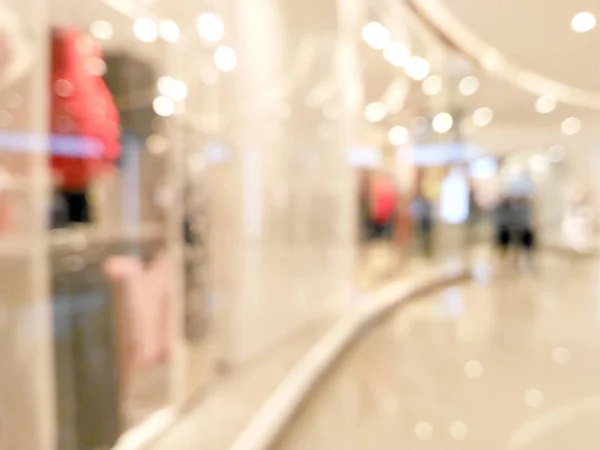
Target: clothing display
(84, 120)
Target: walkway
(506, 361)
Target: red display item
(84, 120)
(383, 200)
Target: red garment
(383, 200)
(82, 112)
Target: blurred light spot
(432, 85)
(101, 30)
(570, 126)
(424, 431)
(396, 53)
(561, 355)
(583, 22)
(454, 302)
(63, 88)
(225, 58)
(458, 431)
(96, 66)
(468, 86)
(473, 369)
(145, 29)
(418, 126)
(169, 30)
(398, 135)
(539, 164)
(375, 112)
(442, 122)
(163, 106)
(175, 89)
(545, 104)
(417, 68)
(556, 153)
(376, 35)
(210, 27)
(534, 398)
(156, 144)
(482, 117)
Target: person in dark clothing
(503, 220)
(422, 213)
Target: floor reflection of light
(473, 369)
(561, 355)
(454, 302)
(534, 398)
(424, 431)
(458, 431)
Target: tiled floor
(508, 361)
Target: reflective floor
(509, 360)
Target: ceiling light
(169, 30)
(225, 58)
(556, 153)
(398, 135)
(375, 112)
(396, 53)
(210, 27)
(442, 123)
(583, 22)
(376, 35)
(545, 104)
(468, 86)
(145, 29)
(163, 106)
(417, 68)
(432, 85)
(101, 30)
(482, 117)
(571, 126)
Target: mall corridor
(507, 360)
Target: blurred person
(502, 216)
(422, 215)
(522, 227)
(383, 206)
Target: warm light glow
(163, 106)
(145, 29)
(417, 68)
(175, 89)
(210, 27)
(442, 123)
(398, 135)
(468, 86)
(376, 35)
(101, 30)
(583, 22)
(545, 104)
(571, 126)
(432, 85)
(482, 117)
(169, 30)
(375, 112)
(225, 58)
(396, 53)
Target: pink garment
(141, 305)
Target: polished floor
(509, 360)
